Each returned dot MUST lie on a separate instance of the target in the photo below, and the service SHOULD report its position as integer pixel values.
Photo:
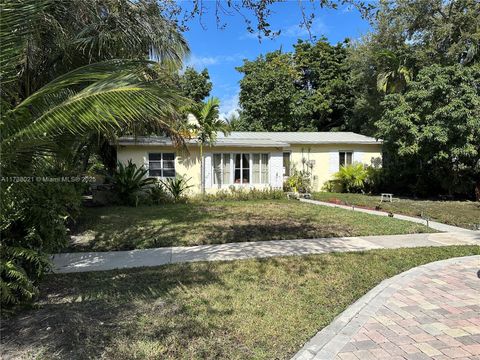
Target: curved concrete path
(429, 312)
(99, 261)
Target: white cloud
(200, 62)
(229, 106)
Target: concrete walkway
(99, 261)
(429, 312)
(433, 224)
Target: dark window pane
(246, 176)
(342, 159)
(237, 176)
(155, 165)
(349, 158)
(155, 173)
(246, 161)
(155, 156)
(169, 164)
(237, 161)
(168, 156)
(286, 163)
(168, 173)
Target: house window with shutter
(345, 158)
(221, 169)
(161, 165)
(260, 168)
(241, 168)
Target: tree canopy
(303, 90)
(195, 85)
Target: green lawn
(125, 228)
(460, 213)
(249, 309)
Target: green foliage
(268, 92)
(195, 85)
(69, 34)
(177, 187)
(298, 181)
(207, 126)
(432, 131)
(62, 81)
(306, 90)
(19, 269)
(157, 194)
(32, 222)
(240, 194)
(128, 181)
(208, 122)
(352, 178)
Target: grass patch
(465, 214)
(249, 309)
(126, 228)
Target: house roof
(264, 139)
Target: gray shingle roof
(265, 139)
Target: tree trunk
(202, 172)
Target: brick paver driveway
(430, 312)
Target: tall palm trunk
(202, 171)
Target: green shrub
(128, 182)
(299, 181)
(241, 194)
(33, 223)
(176, 187)
(352, 178)
(157, 194)
(375, 179)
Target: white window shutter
(333, 162)
(146, 163)
(208, 170)
(276, 170)
(358, 157)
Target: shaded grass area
(126, 228)
(465, 214)
(249, 309)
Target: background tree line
(413, 81)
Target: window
(161, 164)
(286, 164)
(221, 169)
(345, 158)
(260, 169)
(242, 169)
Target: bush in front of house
(356, 178)
(176, 187)
(352, 178)
(240, 194)
(299, 181)
(33, 223)
(129, 181)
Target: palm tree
(396, 76)
(71, 34)
(107, 97)
(206, 127)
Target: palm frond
(125, 28)
(16, 21)
(116, 101)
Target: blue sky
(221, 50)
